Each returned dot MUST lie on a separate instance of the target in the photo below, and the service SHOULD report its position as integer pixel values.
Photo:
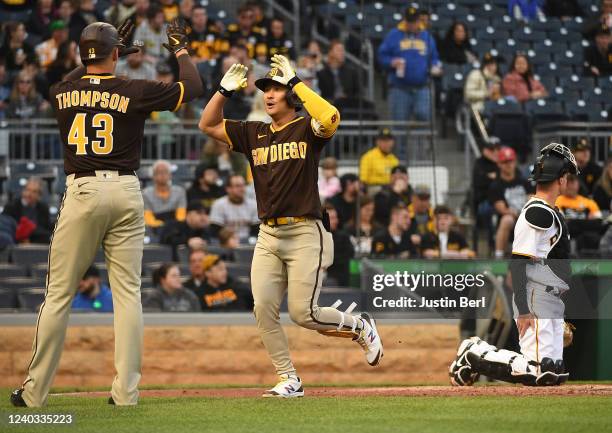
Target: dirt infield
(409, 391)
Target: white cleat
(290, 386)
(370, 340)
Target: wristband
(292, 82)
(225, 92)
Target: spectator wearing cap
(484, 173)
(520, 82)
(329, 184)
(170, 295)
(345, 202)
(278, 42)
(196, 270)
(445, 243)
(483, 84)
(344, 251)
(602, 192)
(598, 56)
(163, 202)
(525, 10)
(396, 240)
(590, 171)
(220, 292)
(92, 294)
(152, 33)
(397, 192)
(507, 194)
(337, 79)
(421, 211)
(375, 165)
(134, 67)
(456, 47)
(235, 210)
(194, 231)
(47, 50)
(582, 215)
(409, 55)
(31, 214)
(206, 186)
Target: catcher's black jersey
(101, 119)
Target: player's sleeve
(529, 230)
(237, 134)
(325, 118)
(158, 96)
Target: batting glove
(177, 36)
(125, 31)
(234, 79)
(282, 64)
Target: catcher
(294, 247)
(540, 274)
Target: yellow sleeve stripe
(180, 100)
(523, 254)
(227, 139)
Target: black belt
(93, 173)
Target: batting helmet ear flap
(293, 100)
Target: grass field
(327, 414)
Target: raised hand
(177, 36)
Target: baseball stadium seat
(244, 254)
(182, 173)
(545, 110)
(12, 270)
(20, 283)
(27, 169)
(30, 254)
(238, 269)
(8, 300)
(156, 253)
(30, 299)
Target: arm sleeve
(385, 52)
(518, 269)
(189, 76)
(435, 58)
(326, 117)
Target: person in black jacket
(31, 214)
(344, 250)
(194, 231)
(397, 192)
(484, 173)
(562, 9)
(598, 56)
(337, 79)
(221, 292)
(456, 47)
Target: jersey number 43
(103, 123)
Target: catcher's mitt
(568, 333)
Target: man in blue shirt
(92, 295)
(409, 54)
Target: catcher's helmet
(555, 161)
(273, 76)
(98, 41)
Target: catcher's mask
(554, 162)
(273, 76)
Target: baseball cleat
(17, 400)
(369, 339)
(290, 386)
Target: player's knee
(299, 312)
(266, 315)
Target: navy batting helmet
(554, 162)
(98, 41)
(275, 75)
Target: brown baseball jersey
(284, 163)
(101, 119)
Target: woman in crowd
(456, 47)
(25, 102)
(63, 63)
(15, 49)
(520, 83)
(169, 294)
(483, 84)
(602, 193)
(362, 237)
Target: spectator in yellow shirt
(376, 164)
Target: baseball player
(293, 247)
(540, 274)
(101, 120)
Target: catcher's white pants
(545, 339)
